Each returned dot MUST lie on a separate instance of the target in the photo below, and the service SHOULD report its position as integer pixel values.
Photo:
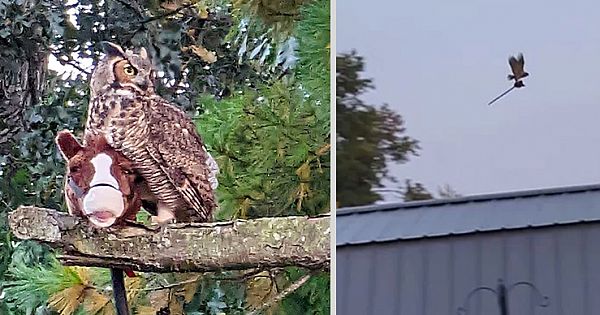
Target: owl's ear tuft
(67, 144)
(112, 49)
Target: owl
(517, 65)
(156, 136)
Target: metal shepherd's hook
(501, 293)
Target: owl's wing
(516, 66)
(177, 147)
(521, 60)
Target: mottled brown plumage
(159, 138)
(517, 65)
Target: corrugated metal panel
(434, 276)
(382, 223)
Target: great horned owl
(159, 138)
(517, 65)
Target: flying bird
(517, 66)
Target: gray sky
(438, 63)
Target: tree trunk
(23, 70)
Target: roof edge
(473, 198)
(467, 233)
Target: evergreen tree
(255, 74)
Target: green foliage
(34, 275)
(265, 115)
(314, 56)
(50, 288)
(32, 173)
(315, 291)
(264, 35)
(26, 23)
(368, 137)
(35, 172)
(277, 15)
(39, 280)
(272, 143)
(218, 297)
(272, 150)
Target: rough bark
(198, 247)
(22, 86)
(23, 72)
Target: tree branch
(68, 59)
(184, 247)
(167, 14)
(142, 24)
(287, 291)
(240, 278)
(131, 7)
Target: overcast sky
(438, 63)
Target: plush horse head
(100, 183)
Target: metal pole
(501, 293)
(502, 298)
(119, 292)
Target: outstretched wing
(176, 146)
(521, 60)
(517, 66)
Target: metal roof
(480, 213)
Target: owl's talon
(160, 225)
(156, 220)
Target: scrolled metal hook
(463, 310)
(544, 300)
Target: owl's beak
(142, 84)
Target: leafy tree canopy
(368, 136)
(415, 192)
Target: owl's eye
(128, 69)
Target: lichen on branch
(184, 247)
